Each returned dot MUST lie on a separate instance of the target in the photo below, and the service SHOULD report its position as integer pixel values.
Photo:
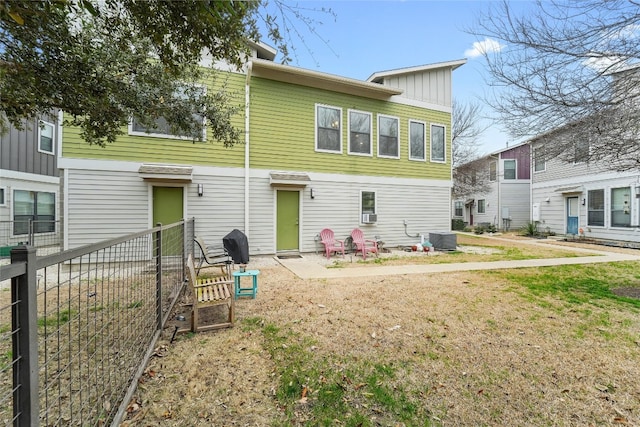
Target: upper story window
(493, 171)
(3, 199)
(481, 206)
(388, 140)
(417, 140)
(620, 207)
(595, 212)
(437, 143)
(45, 137)
(161, 127)
(539, 161)
(580, 151)
(359, 132)
(328, 129)
(509, 169)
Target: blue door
(572, 215)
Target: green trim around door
(287, 220)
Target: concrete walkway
(310, 267)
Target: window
(620, 207)
(162, 128)
(493, 168)
(45, 137)
(417, 140)
(328, 129)
(388, 131)
(3, 201)
(539, 162)
(437, 143)
(367, 202)
(459, 206)
(509, 169)
(359, 132)
(481, 208)
(595, 211)
(34, 206)
(581, 151)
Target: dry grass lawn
(457, 349)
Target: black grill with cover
(237, 246)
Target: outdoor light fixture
(584, 201)
(312, 195)
(547, 200)
(200, 190)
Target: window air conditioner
(369, 218)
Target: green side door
(287, 220)
(167, 209)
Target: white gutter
(246, 148)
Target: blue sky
(369, 36)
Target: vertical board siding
(167, 150)
(432, 86)
(19, 149)
(522, 156)
(282, 133)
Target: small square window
(45, 137)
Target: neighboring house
(320, 151)
(30, 183)
(581, 198)
(506, 204)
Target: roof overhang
(289, 179)
(379, 76)
(166, 173)
(569, 190)
(300, 76)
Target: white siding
(515, 197)
(430, 86)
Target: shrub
(457, 224)
(530, 229)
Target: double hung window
(493, 171)
(417, 140)
(388, 140)
(595, 212)
(437, 143)
(458, 208)
(539, 162)
(45, 137)
(328, 129)
(367, 202)
(509, 169)
(481, 206)
(620, 207)
(359, 132)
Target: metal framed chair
(219, 258)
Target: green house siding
(282, 129)
(166, 150)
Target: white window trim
(56, 214)
(53, 137)
(354, 153)
(323, 150)
(484, 211)
(169, 136)
(431, 143)
(604, 209)
(397, 119)
(3, 202)
(375, 203)
(544, 163)
(424, 141)
(515, 176)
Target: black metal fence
(77, 327)
(45, 236)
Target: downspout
(247, 99)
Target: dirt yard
(469, 348)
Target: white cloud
(483, 47)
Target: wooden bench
(210, 292)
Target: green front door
(287, 219)
(167, 209)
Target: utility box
(443, 240)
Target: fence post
(159, 276)
(24, 319)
